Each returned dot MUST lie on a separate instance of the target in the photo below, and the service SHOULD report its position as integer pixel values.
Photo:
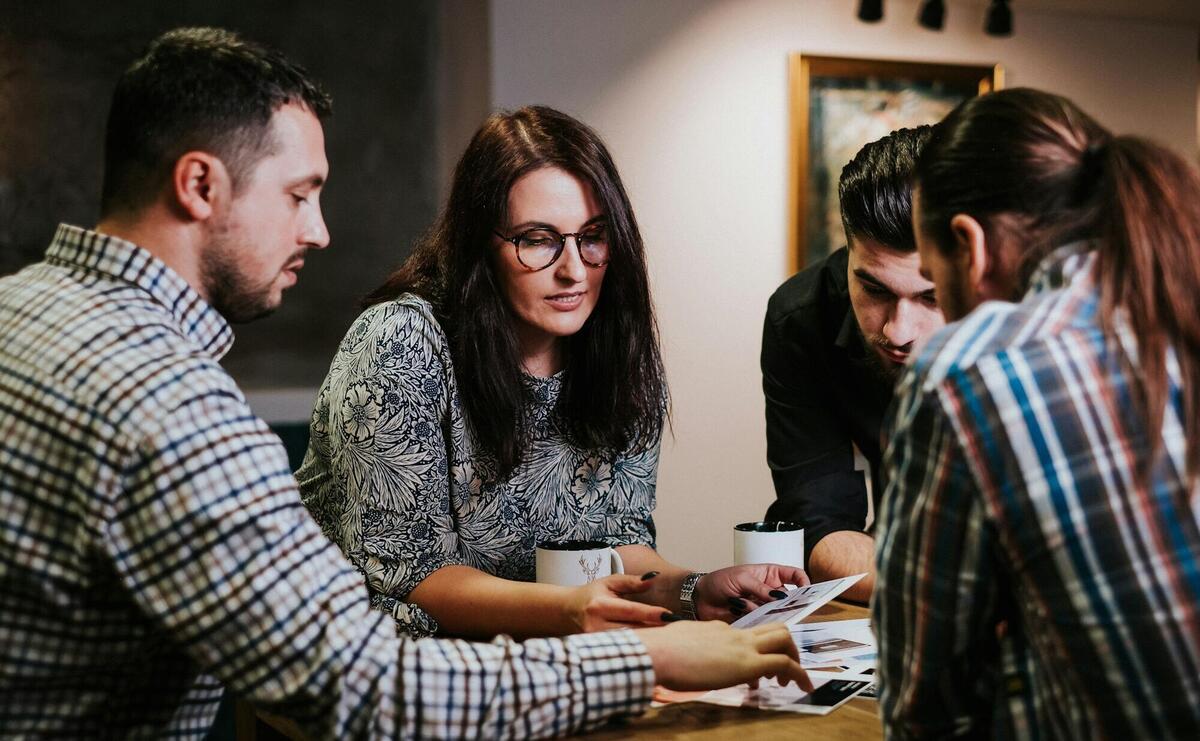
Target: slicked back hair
(197, 89)
(875, 189)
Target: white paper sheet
(771, 696)
(835, 643)
(799, 604)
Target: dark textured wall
(60, 60)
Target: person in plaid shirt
(1039, 537)
(153, 546)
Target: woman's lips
(565, 301)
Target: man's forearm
(844, 553)
(535, 689)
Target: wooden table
(857, 720)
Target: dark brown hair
(1055, 176)
(614, 387)
(197, 88)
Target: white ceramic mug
(768, 542)
(573, 563)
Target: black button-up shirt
(823, 395)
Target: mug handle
(618, 566)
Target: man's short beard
(234, 295)
(885, 371)
(230, 295)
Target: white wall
(691, 97)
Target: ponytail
(1149, 269)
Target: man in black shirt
(835, 337)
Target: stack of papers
(839, 655)
(830, 691)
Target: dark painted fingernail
(649, 575)
(739, 611)
(777, 594)
(670, 617)
(738, 603)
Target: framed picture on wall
(839, 104)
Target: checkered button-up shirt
(1029, 584)
(153, 546)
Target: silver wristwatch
(687, 601)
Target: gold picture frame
(837, 101)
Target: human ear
(200, 184)
(970, 242)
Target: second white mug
(768, 542)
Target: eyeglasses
(538, 249)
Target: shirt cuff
(618, 677)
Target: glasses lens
(593, 246)
(538, 248)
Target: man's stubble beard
(236, 296)
(884, 371)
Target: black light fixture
(870, 10)
(933, 15)
(999, 19)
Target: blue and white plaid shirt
(1028, 585)
(153, 546)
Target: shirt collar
(1064, 265)
(92, 252)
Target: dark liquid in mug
(768, 527)
(571, 545)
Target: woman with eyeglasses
(504, 388)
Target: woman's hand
(731, 592)
(712, 655)
(601, 605)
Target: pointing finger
(786, 670)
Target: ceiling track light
(999, 19)
(932, 15)
(870, 11)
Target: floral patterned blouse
(392, 474)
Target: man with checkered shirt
(153, 547)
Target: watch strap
(687, 590)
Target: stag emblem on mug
(590, 570)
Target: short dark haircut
(875, 189)
(614, 392)
(202, 89)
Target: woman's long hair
(614, 386)
(1055, 175)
